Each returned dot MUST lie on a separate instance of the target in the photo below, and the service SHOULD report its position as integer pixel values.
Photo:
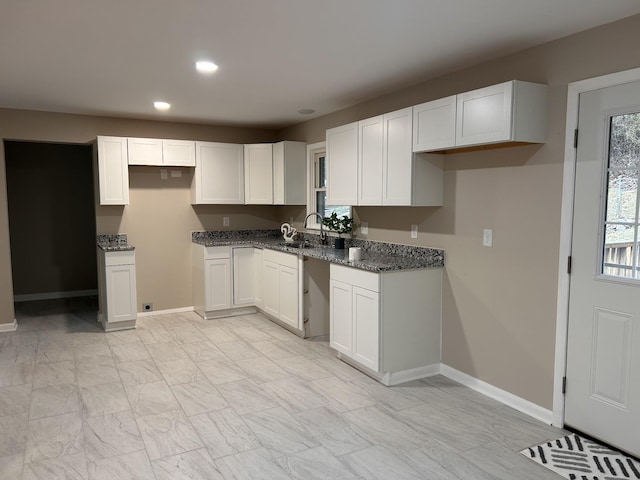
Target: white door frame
(566, 224)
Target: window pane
(321, 181)
(339, 209)
(618, 258)
(624, 143)
(320, 198)
(622, 194)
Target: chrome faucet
(323, 235)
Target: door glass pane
(622, 194)
(620, 242)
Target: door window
(621, 222)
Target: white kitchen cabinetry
(282, 287)
(219, 174)
(510, 112)
(342, 165)
(113, 173)
(158, 152)
(211, 279)
(117, 289)
(243, 276)
(258, 281)
(389, 173)
(289, 173)
(387, 323)
(258, 174)
(434, 124)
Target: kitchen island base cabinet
(117, 290)
(282, 289)
(387, 324)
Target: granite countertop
(114, 243)
(376, 256)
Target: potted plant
(339, 225)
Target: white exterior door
(603, 353)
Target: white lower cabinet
(388, 322)
(117, 289)
(211, 278)
(281, 287)
(243, 276)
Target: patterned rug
(578, 458)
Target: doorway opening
(52, 229)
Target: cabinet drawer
(127, 257)
(353, 276)
(286, 259)
(216, 252)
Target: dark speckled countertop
(114, 243)
(376, 256)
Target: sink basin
(296, 244)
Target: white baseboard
(9, 327)
(396, 378)
(165, 312)
(502, 396)
(29, 297)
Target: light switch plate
(364, 228)
(487, 237)
(414, 231)
(176, 173)
(225, 221)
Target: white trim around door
(566, 225)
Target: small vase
(339, 243)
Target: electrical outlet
(487, 237)
(225, 221)
(290, 220)
(147, 307)
(364, 228)
(414, 231)
(163, 174)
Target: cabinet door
(144, 151)
(289, 293)
(370, 147)
(484, 115)
(271, 288)
(113, 171)
(340, 317)
(434, 125)
(289, 173)
(179, 153)
(120, 282)
(342, 165)
(397, 157)
(217, 284)
(243, 276)
(258, 277)
(258, 174)
(366, 328)
(219, 174)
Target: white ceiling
(115, 57)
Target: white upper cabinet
(397, 158)
(157, 152)
(342, 165)
(258, 174)
(145, 151)
(179, 153)
(370, 167)
(113, 173)
(219, 174)
(510, 112)
(389, 173)
(289, 173)
(434, 124)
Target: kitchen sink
(296, 244)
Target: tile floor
(237, 398)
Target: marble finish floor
(239, 398)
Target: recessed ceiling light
(206, 67)
(306, 111)
(162, 105)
